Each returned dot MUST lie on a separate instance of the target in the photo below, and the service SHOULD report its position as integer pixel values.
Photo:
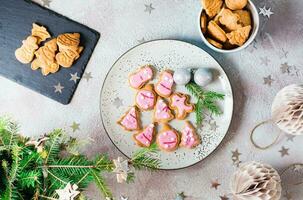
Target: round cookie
(168, 139)
(146, 98)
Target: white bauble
(256, 181)
(287, 109)
(203, 77)
(182, 76)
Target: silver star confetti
(87, 76)
(298, 167)
(215, 184)
(74, 77)
(149, 8)
(123, 198)
(266, 12)
(75, 126)
(68, 193)
(268, 80)
(290, 137)
(121, 169)
(224, 197)
(141, 41)
(284, 151)
(58, 88)
(46, 2)
(214, 126)
(180, 196)
(285, 68)
(118, 102)
(235, 157)
(264, 61)
(283, 53)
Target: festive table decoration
(45, 169)
(205, 101)
(287, 113)
(287, 109)
(256, 181)
(203, 77)
(182, 76)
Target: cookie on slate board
(17, 22)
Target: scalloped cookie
(212, 7)
(239, 36)
(245, 18)
(236, 4)
(229, 19)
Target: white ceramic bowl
(255, 27)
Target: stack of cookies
(166, 106)
(226, 24)
(47, 57)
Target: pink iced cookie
(189, 137)
(146, 98)
(162, 112)
(130, 120)
(139, 78)
(144, 137)
(168, 139)
(165, 84)
(179, 103)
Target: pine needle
(205, 101)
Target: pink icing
(168, 139)
(146, 136)
(179, 103)
(162, 111)
(139, 78)
(164, 86)
(145, 99)
(188, 139)
(130, 120)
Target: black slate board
(16, 18)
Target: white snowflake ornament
(68, 193)
(121, 169)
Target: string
(289, 167)
(252, 136)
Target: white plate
(164, 54)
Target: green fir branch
(145, 158)
(205, 101)
(101, 184)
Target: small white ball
(182, 76)
(203, 77)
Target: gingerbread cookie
(189, 137)
(144, 137)
(229, 19)
(69, 49)
(214, 43)
(244, 17)
(139, 78)
(45, 58)
(146, 98)
(179, 103)
(168, 139)
(236, 4)
(26, 52)
(212, 7)
(130, 120)
(40, 32)
(162, 112)
(216, 31)
(165, 84)
(239, 36)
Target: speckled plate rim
(229, 84)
